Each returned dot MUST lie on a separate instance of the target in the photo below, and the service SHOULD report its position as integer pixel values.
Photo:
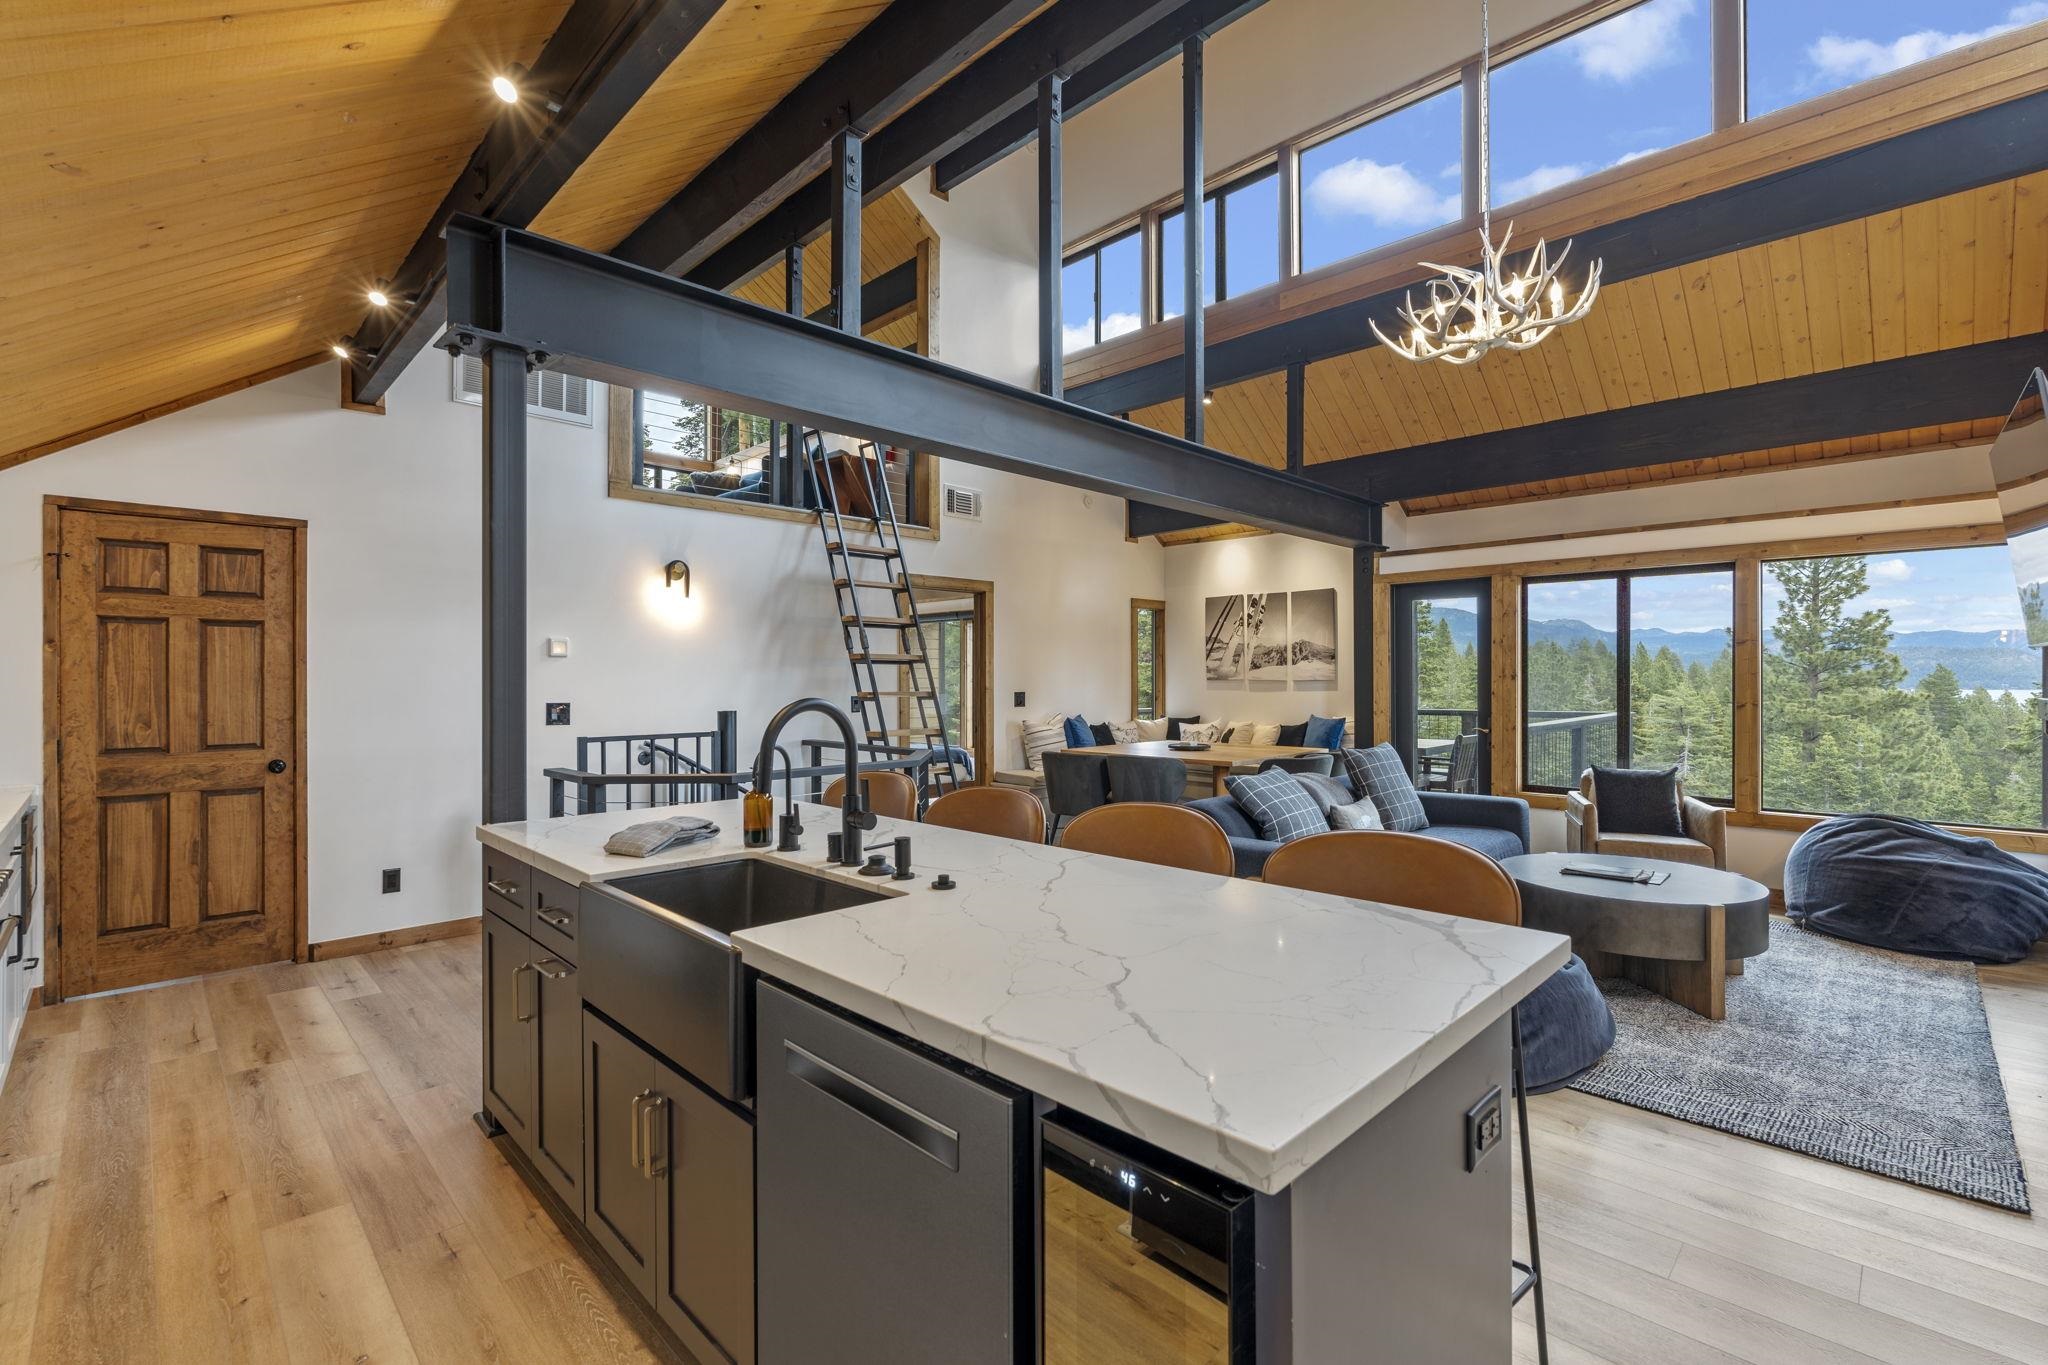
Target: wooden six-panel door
(177, 671)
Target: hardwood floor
(279, 1164)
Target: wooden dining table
(1219, 759)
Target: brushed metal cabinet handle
(559, 919)
(561, 969)
(934, 1139)
(522, 1011)
(656, 1149)
(509, 890)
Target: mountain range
(1991, 659)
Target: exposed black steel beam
(601, 318)
(892, 291)
(1092, 83)
(1976, 149)
(504, 584)
(1144, 519)
(603, 57)
(903, 52)
(1052, 242)
(1297, 417)
(1193, 385)
(1002, 81)
(845, 253)
(1956, 385)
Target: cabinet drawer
(554, 915)
(508, 889)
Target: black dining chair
(1074, 785)
(1322, 765)
(1134, 778)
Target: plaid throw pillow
(1278, 805)
(1378, 773)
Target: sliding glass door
(1442, 663)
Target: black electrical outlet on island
(390, 880)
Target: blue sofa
(1497, 826)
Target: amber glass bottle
(757, 819)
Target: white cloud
(1859, 59)
(1632, 43)
(1890, 571)
(1116, 324)
(1392, 196)
(1627, 157)
(1076, 336)
(1541, 179)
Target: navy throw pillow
(1079, 734)
(1638, 800)
(1281, 807)
(1322, 732)
(1173, 724)
(1102, 733)
(1291, 736)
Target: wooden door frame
(54, 507)
(1139, 604)
(984, 594)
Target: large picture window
(1798, 51)
(1391, 178)
(1101, 291)
(1630, 669)
(1634, 83)
(1241, 231)
(1901, 683)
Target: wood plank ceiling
(199, 199)
(891, 230)
(1949, 272)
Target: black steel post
(846, 175)
(1362, 627)
(1051, 244)
(725, 752)
(1297, 416)
(786, 466)
(1193, 381)
(504, 584)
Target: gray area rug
(1862, 1057)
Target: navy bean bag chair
(1566, 1027)
(1913, 887)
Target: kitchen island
(1336, 1063)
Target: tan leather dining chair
(1152, 832)
(886, 793)
(1006, 812)
(1427, 874)
(1399, 869)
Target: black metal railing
(1563, 744)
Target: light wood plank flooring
(279, 1164)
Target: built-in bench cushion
(1380, 774)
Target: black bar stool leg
(1535, 1277)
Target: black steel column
(1051, 245)
(1297, 416)
(786, 479)
(846, 177)
(1193, 378)
(1362, 645)
(504, 584)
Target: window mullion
(1624, 648)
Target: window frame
(1624, 707)
(1094, 252)
(1428, 89)
(1219, 195)
(1140, 605)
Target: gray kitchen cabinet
(893, 1198)
(511, 1005)
(669, 1191)
(556, 1130)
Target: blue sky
(1632, 84)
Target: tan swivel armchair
(1706, 829)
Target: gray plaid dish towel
(652, 836)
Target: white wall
(393, 590)
(1252, 564)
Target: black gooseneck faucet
(854, 817)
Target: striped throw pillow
(1380, 774)
(1040, 735)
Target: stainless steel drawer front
(934, 1139)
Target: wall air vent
(964, 503)
(558, 397)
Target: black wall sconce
(677, 569)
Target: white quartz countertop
(1248, 1028)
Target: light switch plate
(1019, 701)
(558, 713)
(558, 647)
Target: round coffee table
(1682, 938)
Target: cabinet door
(511, 1005)
(619, 1195)
(892, 1199)
(558, 1079)
(707, 1219)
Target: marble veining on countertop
(1249, 1028)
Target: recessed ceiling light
(379, 299)
(504, 89)
(1208, 398)
(339, 350)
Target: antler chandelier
(1471, 312)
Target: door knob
(275, 765)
